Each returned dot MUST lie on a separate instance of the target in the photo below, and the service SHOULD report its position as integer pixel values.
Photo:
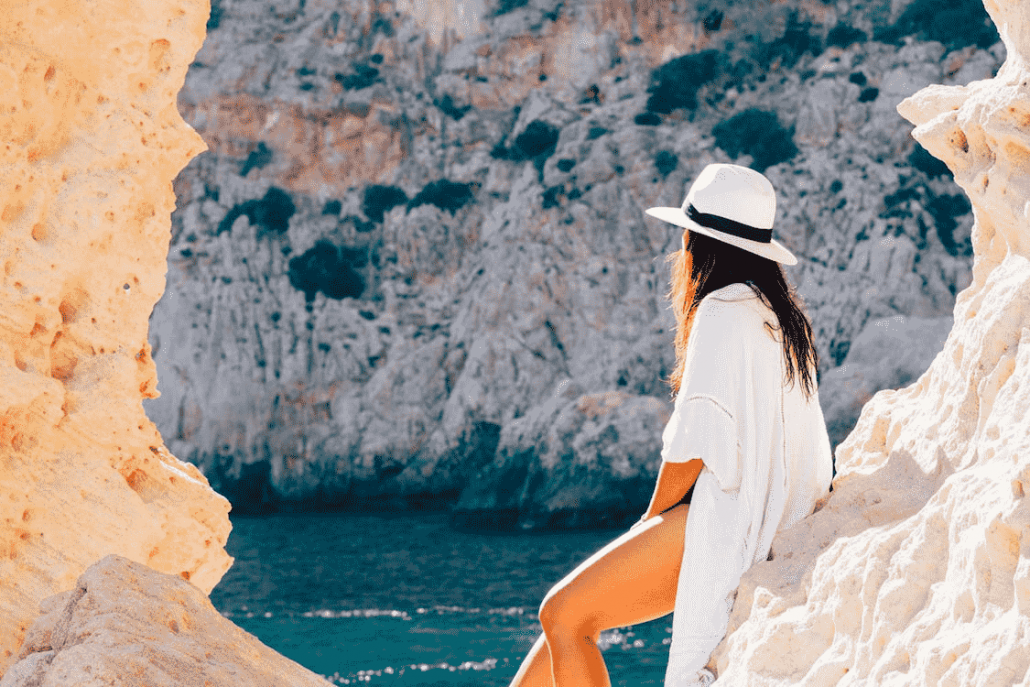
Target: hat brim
(774, 250)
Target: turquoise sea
(403, 600)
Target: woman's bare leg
(631, 580)
(535, 670)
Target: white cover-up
(766, 459)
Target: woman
(745, 452)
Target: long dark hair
(708, 264)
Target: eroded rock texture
(419, 219)
(91, 140)
(917, 570)
(126, 624)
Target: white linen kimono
(766, 459)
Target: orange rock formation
(91, 142)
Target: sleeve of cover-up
(704, 423)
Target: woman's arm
(674, 481)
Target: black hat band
(728, 226)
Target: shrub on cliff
(258, 158)
(956, 24)
(363, 77)
(675, 83)
(537, 143)
(712, 21)
(647, 119)
(215, 18)
(539, 140)
(788, 48)
(551, 198)
(665, 162)
(444, 194)
(944, 209)
(756, 133)
(843, 35)
(926, 163)
(381, 199)
(328, 269)
(271, 214)
(505, 6)
(868, 94)
(449, 108)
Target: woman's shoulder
(732, 293)
(735, 308)
(732, 302)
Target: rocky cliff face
(917, 570)
(90, 148)
(419, 230)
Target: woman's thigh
(631, 580)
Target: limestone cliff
(419, 220)
(91, 140)
(917, 569)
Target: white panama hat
(733, 204)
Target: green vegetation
(868, 94)
(665, 162)
(444, 194)
(379, 200)
(538, 140)
(926, 163)
(271, 214)
(843, 35)
(363, 77)
(945, 209)
(537, 143)
(955, 23)
(551, 197)
(258, 158)
(448, 107)
(328, 269)
(215, 19)
(756, 133)
(675, 83)
(505, 6)
(788, 48)
(712, 21)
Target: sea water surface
(403, 600)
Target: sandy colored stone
(917, 569)
(91, 142)
(126, 624)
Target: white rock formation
(916, 571)
(125, 624)
(91, 142)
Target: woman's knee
(559, 614)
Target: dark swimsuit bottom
(685, 499)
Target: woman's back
(784, 464)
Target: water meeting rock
(916, 570)
(91, 142)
